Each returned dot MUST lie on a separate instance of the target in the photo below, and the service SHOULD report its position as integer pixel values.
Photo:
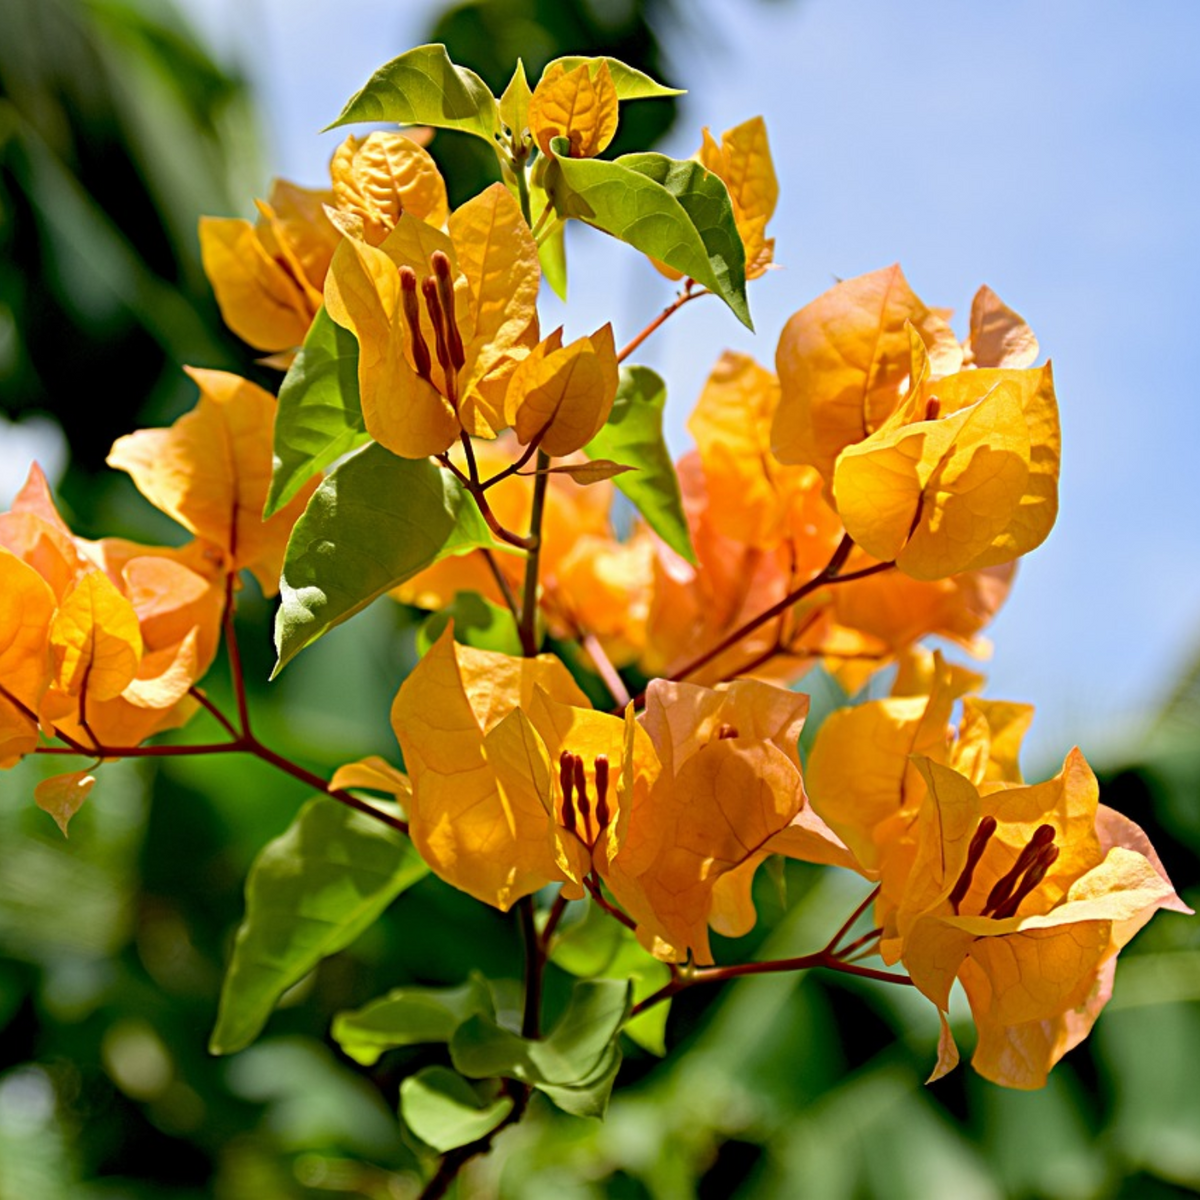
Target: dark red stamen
(566, 776)
(726, 731)
(602, 813)
(974, 852)
(933, 409)
(1043, 836)
(581, 797)
(445, 284)
(1036, 873)
(412, 315)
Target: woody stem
(236, 674)
(827, 576)
(822, 958)
(689, 293)
(529, 599)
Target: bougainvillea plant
(432, 442)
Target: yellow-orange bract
(379, 177)
(742, 160)
(563, 393)
(518, 783)
(844, 361)
(578, 103)
(268, 276)
(1026, 895)
(413, 402)
(211, 471)
(100, 608)
(963, 476)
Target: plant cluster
(600, 732)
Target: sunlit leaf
(320, 416)
(630, 83)
(309, 894)
(633, 436)
(374, 522)
(423, 87)
(673, 211)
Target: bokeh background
(1050, 151)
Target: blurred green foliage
(115, 132)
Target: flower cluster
(877, 487)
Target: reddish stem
(828, 575)
(689, 293)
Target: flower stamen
(974, 853)
(1000, 895)
(412, 316)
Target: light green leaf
(598, 945)
(320, 414)
(588, 1098)
(309, 894)
(552, 255)
(631, 84)
(477, 622)
(445, 1111)
(409, 1016)
(633, 434)
(674, 211)
(574, 1064)
(423, 87)
(374, 522)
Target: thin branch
(510, 597)
(806, 962)
(827, 576)
(556, 913)
(848, 924)
(531, 1017)
(235, 657)
(690, 292)
(593, 886)
(605, 669)
(228, 725)
(515, 467)
(529, 598)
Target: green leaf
(631, 84)
(552, 255)
(423, 87)
(445, 1111)
(633, 434)
(477, 622)
(374, 522)
(320, 414)
(574, 1064)
(598, 945)
(674, 211)
(309, 894)
(589, 1098)
(409, 1017)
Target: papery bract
(425, 378)
(211, 471)
(1026, 894)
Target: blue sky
(1051, 151)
